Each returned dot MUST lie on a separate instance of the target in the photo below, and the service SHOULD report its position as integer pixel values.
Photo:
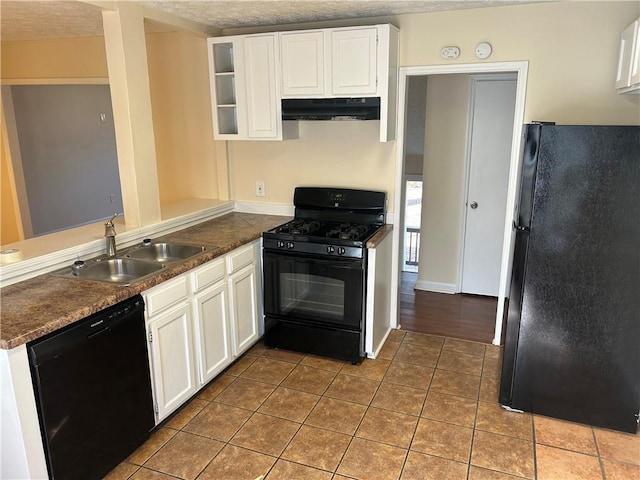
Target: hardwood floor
(468, 317)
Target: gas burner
(299, 227)
(348, 231)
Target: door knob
(474, 205)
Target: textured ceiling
(30, 19)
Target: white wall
(443, 180)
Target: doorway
(412, 220)
(519, 69)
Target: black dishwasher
(93, 391)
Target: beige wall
(443, 174)
(181, 103)
(572, 50)
(179, 77)
(42, 59)
(341, 154)
(61, 58)
(571, 47)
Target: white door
(263, 104)
(213, 331)
(172, 357)
(354, 61)
(302, 61)
(492, 111)
(244, 309)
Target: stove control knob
(341, 250)
(280, 244)
(289, 245)
(331, 249)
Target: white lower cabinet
(242, 289)
(213, 331)
(198, 323)
(173, 362)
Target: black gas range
(315, 270)
(329, 221)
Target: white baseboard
(264, 208)
(435, 287)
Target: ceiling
(32, 19)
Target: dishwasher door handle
(95, 334)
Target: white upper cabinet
(303, 64)
(354, 61)
(335, 62)
(251, 74)
(628, 73)
(245, 93)
(344, 62)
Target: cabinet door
(354, 61)
(302, 60)
(172, 359)
(244, 308)
(263, 105)
(214, 352)
(625, 61)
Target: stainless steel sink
(164, 252)
(119, 271)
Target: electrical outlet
(112, 198)
(260, 188)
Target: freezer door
(578, 349)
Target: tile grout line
(413, 436)
(600, 459)
(475, 417)
(535, 450)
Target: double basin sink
(133, 264)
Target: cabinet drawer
(208, 274)
(241, 258)
(166, 294)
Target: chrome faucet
(110, 236)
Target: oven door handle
(317, 259)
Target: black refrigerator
(572, 337)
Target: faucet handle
(109, 223)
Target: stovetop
(318, 230)
(329, 221)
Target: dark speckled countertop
(40, 305)
(43, 304)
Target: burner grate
(299, 227)
(348, 231)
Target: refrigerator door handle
(520, 228)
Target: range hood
(331, 108)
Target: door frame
(474, 79)
(521, 69)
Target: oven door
(314, 290)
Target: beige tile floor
(425, 409)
